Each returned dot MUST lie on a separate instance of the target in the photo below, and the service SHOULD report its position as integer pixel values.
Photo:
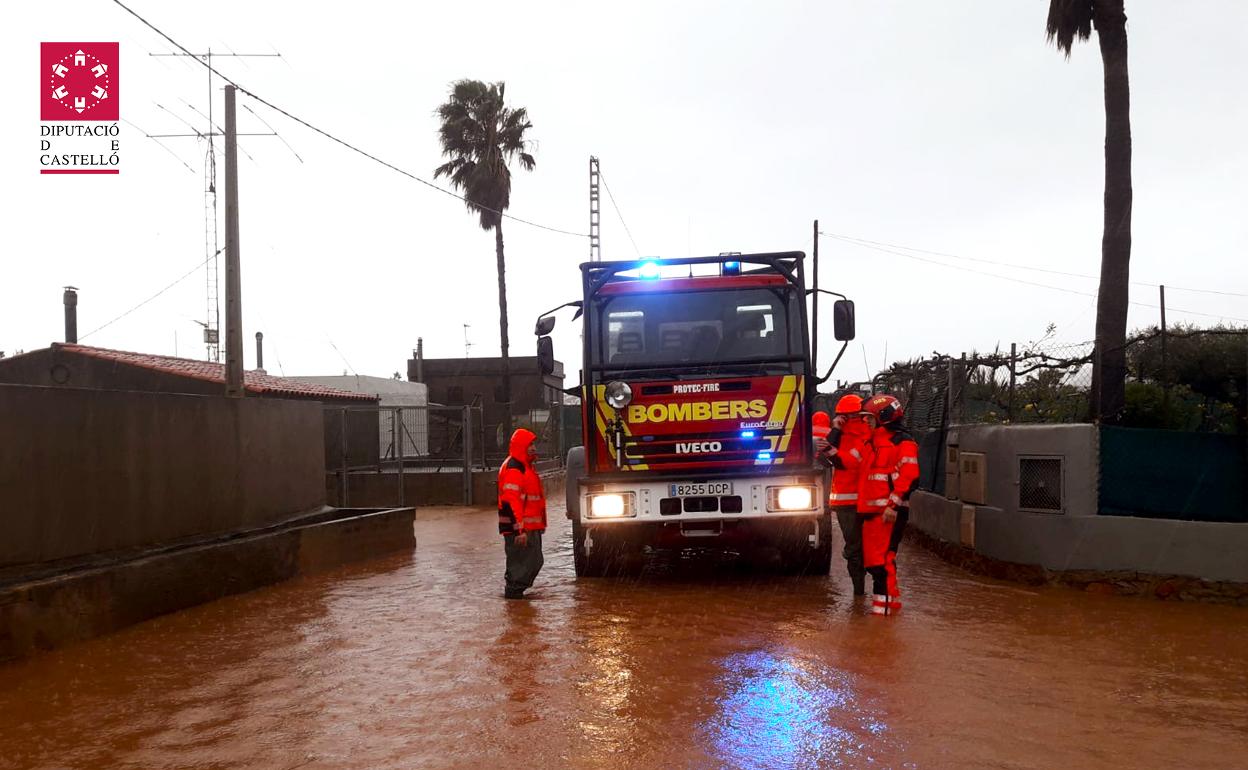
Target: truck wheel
(574, 470)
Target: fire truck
(696, 397)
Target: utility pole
(233, 283)
(595, 214)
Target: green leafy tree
(481, 135)
(1205, 374)
(1071, 20)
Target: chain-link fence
(389, 442)
(1188, 379)
(1185, 379)
(558, 429)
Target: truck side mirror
(545, 325)
(843, 320)
(546, 354)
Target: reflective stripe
(894, 499)
(844, 496)
(881, 502)
(877, 477)
(895, 476)
(905, 460)
(512, 487)
(857, 455)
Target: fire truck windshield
(705, 328)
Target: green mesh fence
(1170, 474)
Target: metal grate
(1040, 483)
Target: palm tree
(480, 135)
(1071, 20)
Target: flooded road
(416, 661)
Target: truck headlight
(618, 394)
(611, 506)
(794, 498)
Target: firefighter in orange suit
(848, 451)
(521, 514)
(884, 498)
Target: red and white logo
(78, 81)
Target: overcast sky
(949, 127)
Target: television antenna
(212, 250)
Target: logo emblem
(78, 81)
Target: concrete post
(233, 283)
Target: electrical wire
(628, 232)
(863, 241)
(342, 142)
(1024, 281)
(149, 299)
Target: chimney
(260, 352)
(71, 315)
(420, 359)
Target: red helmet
(821, 420)
(849, 404)
(884, 408)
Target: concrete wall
(49, 612)
(1210, 551)
(90, 471)
(1003, 445)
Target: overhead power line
(1023, 281)
(865, 241)
(628, 232)
(334, 138)
(149, 299)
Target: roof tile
(254, 381)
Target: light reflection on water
(782, 711)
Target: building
(410, 423)
(478, 381)
(65, 365)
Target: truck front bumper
(672, 501)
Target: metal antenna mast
(212, 250)
(595, 218)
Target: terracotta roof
(254, 381)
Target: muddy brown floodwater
(416, 661)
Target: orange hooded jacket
(521, 499)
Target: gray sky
(950, 127)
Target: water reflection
(783, 711)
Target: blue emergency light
(747, 434)
(764, 455)
(649, 269)
(732, 268)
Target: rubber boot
(859, 579)
(884, 604)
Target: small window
(1040, 484)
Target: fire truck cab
(696, 392)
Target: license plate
(700, 489)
